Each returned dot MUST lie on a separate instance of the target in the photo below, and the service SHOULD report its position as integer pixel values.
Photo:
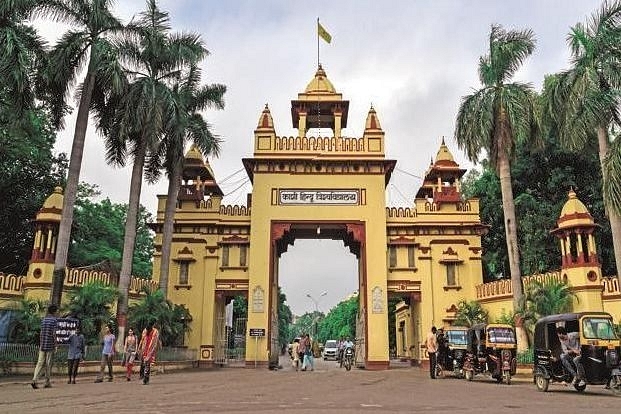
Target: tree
(187, 124)
(470, 313)
(585, 100)
(172, 320)
(495, 118)
(340, 321)
(97, 235)
(612, 176)
(549, 297)
(92, 305)
(91, 22)
(22, 51)
(28, 174)
(156, 59)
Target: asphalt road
(327, 389)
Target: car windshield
(456, 337)
(501, 335)
(330, 344)
(598, 328)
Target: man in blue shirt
(47, 347)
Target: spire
(372, 120)
(265, 120)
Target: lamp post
(316, 302)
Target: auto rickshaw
(452, 352)
(600, 351)
(491, 350)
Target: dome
(54, 200)
(574, 213)
(444, 154)
(194, 154)
(320, 84)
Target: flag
(323, 33)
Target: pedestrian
(75, 354)
(309, 360)
(149, 345)
(295, 356)
(129, 350)
(432, 349)
(107, 354)
(302, 350)
(47, 347)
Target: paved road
(326, 390)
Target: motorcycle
(348, 358)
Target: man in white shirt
(432, 348)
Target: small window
(225, 255)
(411, 262)
(392, 256)
(451, 279)
(243, 252)
(184, 272)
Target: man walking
(47, 347)
(432, 349)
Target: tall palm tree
(585, 100)
(21, 51)
(549, 297)
(612, 176)
(91, 22)
(186, 125)
(155, 60)
(493, 119)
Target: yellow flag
(323, 33)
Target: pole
(317, 41)
(256, 351)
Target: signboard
(256, 332)
(64, 328)
(321, 197)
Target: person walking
(302, 350)
(149, 345)
(309, 359)
(75, 354)
(107, 355)
(129, 350)
(295, 356)
(47, 347)
(432, 349)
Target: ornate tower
(198, 181)
(41, 268)
(580, 265)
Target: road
(326, 390)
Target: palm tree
(91, 22)
(92, 305)
(585, 100)
(495, 118)
(187, 124)
(21, 51)
(612, 177)
(155, 60)
(548, 298)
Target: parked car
(330, 350)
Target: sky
(413, 60)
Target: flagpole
(318, 42)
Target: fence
(15, 353)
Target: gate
(230, 344)
(360, 346)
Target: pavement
(328, 389)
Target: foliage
(340, 321)
(540, 195)
(469, 313)
(25, 324)
(92, 305)
(97, 234)
(285, 317)
(172, 320)
(549, 297)
(28, 174)
(506, 318)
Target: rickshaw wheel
(580, 388)
(615, 385)
(469, 375)
(542, 383)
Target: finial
(443, 140)
(431, 163)
(572, 193)
(266, 107)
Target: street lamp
(316, 302)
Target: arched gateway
(322, 187)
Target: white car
(330, 350)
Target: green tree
(495, 118)
(25, 324)
(585, 100)
(172, 320)
(470, 313)
(97, 235)
(285, 317)
(549, 297)
(612, 175)
(187, 124)
(92, 305)
(156, 59)
(91, 21)
(340, 321)
(22, 51)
